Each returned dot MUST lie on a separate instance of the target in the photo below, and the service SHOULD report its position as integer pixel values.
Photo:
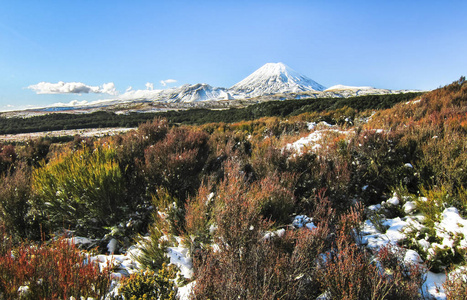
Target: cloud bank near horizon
(72, 88)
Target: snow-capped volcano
(273, 81)
(274, 78)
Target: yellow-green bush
(82, 187)
(150, 285)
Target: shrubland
(229, 192)
(101, 119)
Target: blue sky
(385, 44)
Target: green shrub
(433, 204)
(83, 188)
(438, 255)
(150, 285)
(462, 201)
(377, 163)
(154, 247)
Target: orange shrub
(55, 271)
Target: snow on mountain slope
(273, 78)
(352, 91)
(197, 92)
(184, 93)
(349, 91)
(347, 87)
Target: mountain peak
(276, 67)
(273, 78)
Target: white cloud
(109, 88)
(165, 82)
(72, 88)
(149, 86)
(129, 89)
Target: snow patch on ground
(312, 141)
(184, 292)
(302, 220)
(92, 132)
(179, 257)
(433, 285)
(409, 207)
(375, 239)
(450, 225)
(270, 234)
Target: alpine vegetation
(364, 199)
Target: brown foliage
(239, 265)
(176, 161)
(249, 264)
(455, 285)
(7, 157)
(351, 273)
(197, 213)
(15, 194)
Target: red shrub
(55, 271)
(245, 265)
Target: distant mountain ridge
(271, 81)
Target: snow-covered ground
(449, 229)
(96, 132)
(126, 264)
(451, 225)
(314, 141)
